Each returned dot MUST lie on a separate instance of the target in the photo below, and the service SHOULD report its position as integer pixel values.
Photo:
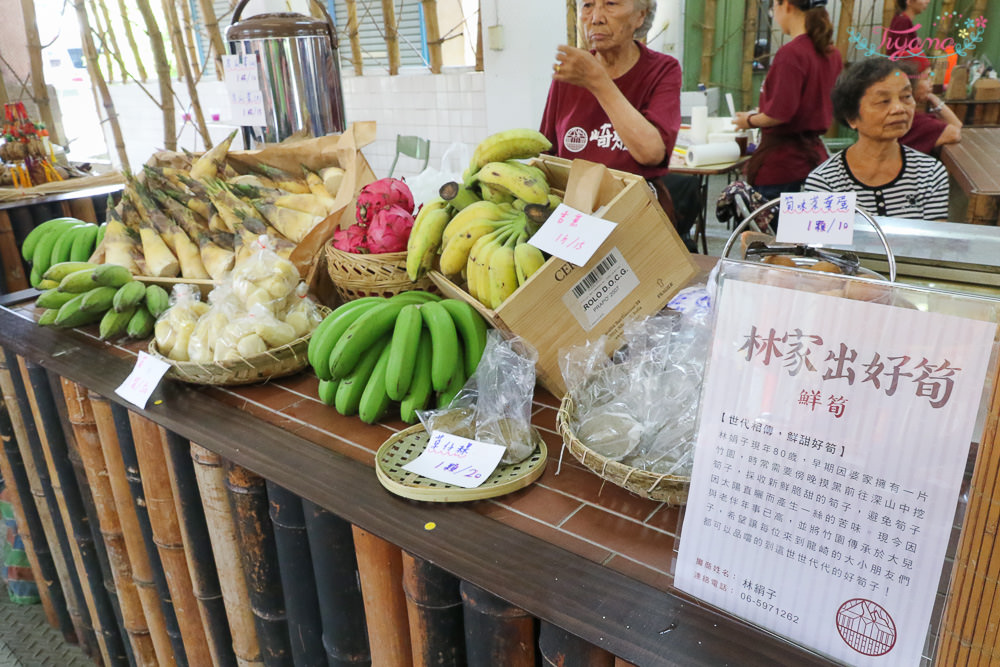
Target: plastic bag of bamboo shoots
(223, 308)
(175, 325)
(265, 279)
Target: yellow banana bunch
(426, 236)
(514, 144)
(467, 227)
(516, 179)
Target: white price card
(240, 73)
(454, 460)
(572, 235)
(143, 379)
(816, 218)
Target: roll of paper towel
(699, 124)
(706, 154)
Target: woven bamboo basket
(672, 489)
(383, 274)
(274, 363)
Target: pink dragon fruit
(353, 239)
(382, 194)
(390, 230)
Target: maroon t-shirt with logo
(924, 132)
(578, 127)
(797, 92)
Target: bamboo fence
(380, 568)
(434, 609)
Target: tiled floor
(27, 640)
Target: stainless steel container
(298, 70)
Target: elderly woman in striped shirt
(875, 97)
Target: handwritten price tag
(240, 73)
(817, 218)
(143, 379)
(571, 235)
(454, 460)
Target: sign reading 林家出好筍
(833, 438)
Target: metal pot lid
(279, 24)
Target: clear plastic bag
(175, 325)
(265, 279)
(494, 406)
(426, 185)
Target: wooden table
(726, 168)
(974, 164)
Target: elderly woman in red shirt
(795, 108)
(934, 124)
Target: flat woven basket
(384, 274)
(672, 489)
(276, 362)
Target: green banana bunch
(56, 241)
(514, 144)
(516, 179)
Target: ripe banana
(514, 144)
(403, 351)
(444, 343)
(517, 179)
(527, 260)
(420, 386)
(361, 334)
(496, 196)
(352, 385)
(477, 269)
(473, 214)
(422, 248)
(472, 327)
(502, 274)
(458, 196)
(435, 204)
(375, 400)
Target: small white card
(247, 108)
(246, 101)
(817, 218)
(572, 235)
(454, 460)
(143, 379)
(240, 73)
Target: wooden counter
(587, 557)
(974, 165)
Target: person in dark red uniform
(934, 124)
(901, 30)
(795, 107)
(619, 102)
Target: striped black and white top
(919, 191)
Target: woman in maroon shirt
(795, 108)
(934, 124)
(901, 30)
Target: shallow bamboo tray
(383, 274)
(408, 444)
(274, 363)
(672, 489)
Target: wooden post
(88, 441)
(352, 35)
(248, 500)
(184, 67)
(380, 567)
(433, 34)
(708, 42)
(70, 505)
(211, 24)
(130, 36)
(167, 534)
(198, 548)
(90, 53)
(559, 647)
(434, 607)
(341, 606)
(162, 74)
(391, 35)
(749, 41)
(496, 632)
(571, 21)
(132, 537)
(39, 91)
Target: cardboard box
(634, 273)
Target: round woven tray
(407, 445)
(384, 274)
(672, 489)
(274, 363)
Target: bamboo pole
(16, 395)
(130, 37)
(352, 35)
(341, 607)
(391, 35)
(4, 95)
(162, 75)
(190, 38)
(211, 24)
(70, 504)
(434, 609)
(88, 441)
(888, 11)
(10, 257)
(480, 57)
(380, 568)
(133, 475)
(944, 24)
(167, 535)
(433, 34)
(248, 502)
(571, 21)
(225, 549)
(305, 629)
(110, 30)
(132, 533)
(496, 632)
(39, 91)
(184, 67)
(198, 547)
(749, 41)
(97, 28)
(29, 525)
(559, 647)
(707, 42)
(843, 24)
(90, 53)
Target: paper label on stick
(572, 235)
(454, 460)
(817, 218)
(143, 379)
